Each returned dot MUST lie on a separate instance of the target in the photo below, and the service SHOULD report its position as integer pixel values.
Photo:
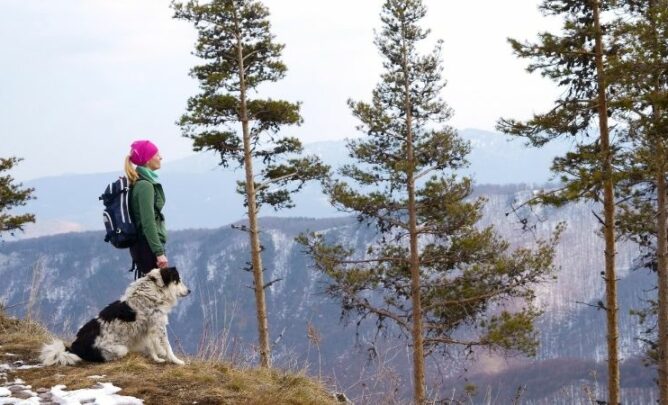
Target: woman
(146, 201)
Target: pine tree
(240, 53)
(643, 42)
(578, 60)
(431, 271)
(12, 195)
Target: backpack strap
(158, 213)
(134, 268)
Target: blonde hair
(130, 171)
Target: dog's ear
(154, 276)
(170, 275)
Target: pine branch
(600, 220)
(382, 312)
(363, 261)
(599, 305)
(462, 301)
(377, 216)
(250, 54)
(432, 341)
(269, 284)
(267, 183)
(424, 173)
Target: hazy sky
(81, 79)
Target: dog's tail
(56, 353)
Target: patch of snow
(16, 401)
(210, 270)
(103, 394)
(283, 246)
(18, 393)
(28, 366)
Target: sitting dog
(136, 323)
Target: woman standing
(146, 201)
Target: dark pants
(143, 257)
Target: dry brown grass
(198, 382)
(21, 337)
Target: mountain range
(201, 193)
(65, 279)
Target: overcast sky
(81, 79)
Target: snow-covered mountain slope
(75, 274)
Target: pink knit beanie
(142, 151)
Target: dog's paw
(158, 360)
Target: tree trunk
(418, 344)
(416, 300)
(609, 218)
(253, 232)
(661, 231)
(661, 245)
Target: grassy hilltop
(200, 382)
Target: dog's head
(169, 279)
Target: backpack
(121, 231)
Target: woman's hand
(162, 261)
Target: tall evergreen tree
(578, 60)
(12, 195)
(642, 35)
(240, 53)
(431, 271)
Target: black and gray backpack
(121, 231)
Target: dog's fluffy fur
(137, 322)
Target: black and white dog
(135, 323)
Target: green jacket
(146, 201)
